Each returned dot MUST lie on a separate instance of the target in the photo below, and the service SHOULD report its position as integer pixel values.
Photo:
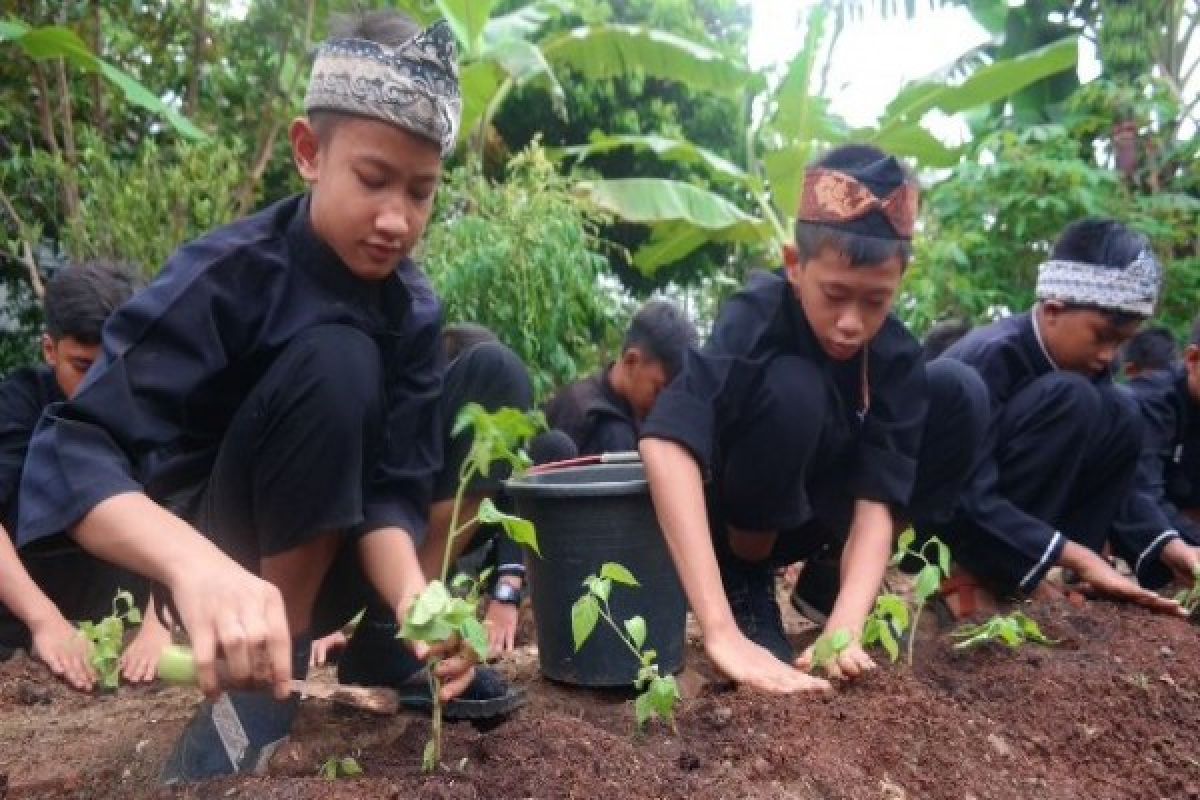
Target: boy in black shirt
(819, 426)
(1151, 350)
(1063, 439)
(261, 433)
(43, 587)
(602, 413)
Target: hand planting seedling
(659, 694)
(1012, 630)
(828, 647)
(335, 768)
(107, 637)
(441, 614)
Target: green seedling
(446, 611)
(335, 768)
(1190, 598)
(828, 647)
(1012, 630)
(107, 638)
(887, 624)
(658, 694)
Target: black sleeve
(609, 435)
(20, 408)
(159, 349)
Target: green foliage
(887, 624)
(1012, 630)
(828, 647)
(334, 768)
(140, 209)
(659, 694)
(521, 258)
(439, 613)
(107, 638)
(892, 617)
(1190, 598)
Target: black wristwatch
(504, 592)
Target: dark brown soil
(1111, 712)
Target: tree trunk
(199, 35)
(99, 105)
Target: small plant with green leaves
(828, 647)
(929, 578)
(1190, 598)
(107, 638)
(443, 612)
(659, 694)
(887, 624)
(334, 768)
(1012, 630)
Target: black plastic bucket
(586, 516)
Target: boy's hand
(1101, 579)
(58, 645)
(745, 662)
(1183, 560)
(221, 605)
(501, 623)
(456, 668)
(849, 664)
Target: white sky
(875, 57)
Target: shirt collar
(1037, 335)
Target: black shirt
(596, 418)
(23, 396)
(1168, 472)
(180, 357)
(764, 320)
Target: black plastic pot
(586, 516)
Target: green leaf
(943, 555)
(525, 63)
(888, 640)
(467, 19)
(784, 169)
(906, 540)
(429, 603)
(669, 243)
(608, 51)
(618, 574)
(915, 141)
(478, 82)
(473, 633)
(928, 581)
(643, 708)
(349, 767)
(429, 756)
(674, 150)
(649, 656)
(520, 530)
(601, 588)
(840, 639)
(636, 628)
(585, 612)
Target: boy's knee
(793, 402)
(1120, 411)
(337, 372)
(1069, 392)
(958, 394)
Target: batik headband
(1133, 290)
(833, 197)
(413, 86)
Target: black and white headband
(413, 86)
(1133, 290)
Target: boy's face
(1082, 340)
(647, 377)
(373, 186)
(70, 359)
(845, 306)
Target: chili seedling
(334, 768)
(443, 612)
(1012, 630)
(887, 624)
(929, 578)
(1190, 598)
(828, 647)
(107, 638)
(658, 694)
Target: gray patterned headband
(413, 86)
(1133, 289)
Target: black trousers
(1065, 451)
(788, 465)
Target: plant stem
(604, 612)
(435, 733)
(912, 633)
(455, 529)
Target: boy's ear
(49, 350)
(1053, 310)
(305, 146)
(631, 357)
(1191, 356)
(791, 256)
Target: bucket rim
(536, 486)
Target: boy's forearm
(864, 562)
(134, 532)
(18, 591)
(390, 561)
(678, 492)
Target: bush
(521, 258)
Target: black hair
(462, 336)
(1105, 243)
(663, 332)
(383, 26)
(80, 298)
(1152, 349)
(861, 248)
(942, 335)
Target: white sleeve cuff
(1034, 576)
(1158, 542)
